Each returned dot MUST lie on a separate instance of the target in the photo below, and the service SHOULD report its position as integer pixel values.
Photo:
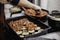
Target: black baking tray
(43, 26)
(43, 19)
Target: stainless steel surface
(53, 18)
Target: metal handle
(55, 11)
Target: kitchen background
(45, 4)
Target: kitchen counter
(54, 35)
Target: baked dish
(24, 27)
(36, 13)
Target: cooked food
(15, 26)
(37, 28)
(21, 36)
(31, 31)
(23, 27)
(31, 26)
(25, 33)
(19, 32)
(14, 9)
(32, 12)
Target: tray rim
(31, 35)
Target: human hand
(42, 13)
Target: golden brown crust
(19, 24)
(32, 12)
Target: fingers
(36, 7)
(42, 14)
(24, 8)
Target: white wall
(44, 4)
(37, 2)
(50, 4)
(53, 5)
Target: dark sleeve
(14, 2)
(31, 1)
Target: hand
(42, 13)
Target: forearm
(25, 3)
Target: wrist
(37, 7)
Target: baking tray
(43, 19)
(43, 26)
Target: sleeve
(13, 2)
